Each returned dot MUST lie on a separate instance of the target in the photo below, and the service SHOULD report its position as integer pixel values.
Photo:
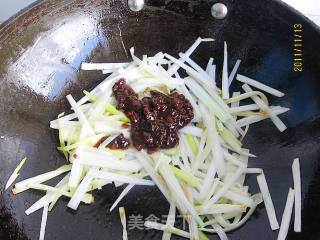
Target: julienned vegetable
(297, 194)
(268, 201)
(202, 177)
(122, 214)
(286, 217)
(15, 173)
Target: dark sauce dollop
(155, 120)
(120, 142)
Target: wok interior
(40, 55)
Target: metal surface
(40, 54)
(219, 10)
(136, 5)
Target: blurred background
(310, 8)
(10, 7)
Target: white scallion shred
(259, 85)
(286, 217)
(170, 221)
(268, 201)
(167, 228)
(80, 192)
(225, 79)
(23, 185)
(297, 194)
(121, 196)
(220, 232)
(15, 173)
(122, 214)
(43, 222)
(275, 119)
(234, 71)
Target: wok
(41, 49)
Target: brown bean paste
(155, 120)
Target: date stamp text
(297, 47)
